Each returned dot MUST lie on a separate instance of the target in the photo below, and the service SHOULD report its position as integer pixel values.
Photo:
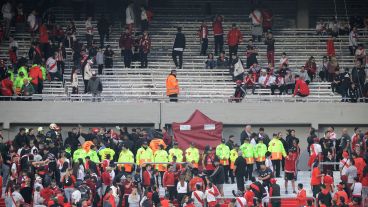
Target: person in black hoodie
(275, 191)
(178, 48)
(310, 139)
(218, 176)
(290, 137)
(20, 138)
(72, 139)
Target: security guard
(223, 153)
(178, 153)
(172, 86)
(260, 153)
(192, 155)
(106, 151)
(277, 152)
(144, 154)
(161, 156)
(233, 156)
(92, 153)
(248, 154)
(79, 153)
(126, 156)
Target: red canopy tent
(198, 129)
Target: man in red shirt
(36, 74)
(126, 43)
(249, 196)
(218, 33)
(290, 170)
(234, 38)
(106, 179)
(169, 181)
(6, 86)
(301, 87)
(301, 196)
(203, 36)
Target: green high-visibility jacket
(223, 151)
(176, 152)
(161, 156)
(276, 145)
(192, 154)
(105, 152)
(260, 150)
(126, 156)
(79, 153)
(24, 70)
(44, 72)
(233, 155)
(144, 154)
(247, 149)
(11, 75)
(93, 156)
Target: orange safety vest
(276, 156)
(232, 165)
(249, 160)
(195, 165)
(144, 160)
(161, 167)
(172, 85)
(261, 159)
(127, 167)
(224, 162)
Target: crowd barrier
(288, 201)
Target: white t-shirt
(317, 149)
(357, 189)
(89, 27)
(17, 197)
(200, 195)
(344, 166)
(51, 65)
(209, 195)
(256, 17)
(353, 39)
(268, 163)
(351, 172)
(76, 196)
(182, 189)
(32, 22)
(242, 200)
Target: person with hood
(87, 74)
(94, 86)
(172, 86)
(18, 83)
(178, 48)
(144, 154)
(36, 76)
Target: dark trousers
(276, 166)
(89, 39)
(173, 97)
(274, 87)
(240, 182)
(144, 59)
(232, 177)
(61, 66)
(128, 55)
(100, 68)
(335, 87)
(55, 76)
(85, 85)
(311, 76)
(7, 23)
(248, 175)
(219, 44)
(144, 25)
(109, 62)
(204, 46)
(233, 50)
(289, 87)
(271, 57)
(226, 169)
(172, 192)
(102, 40)
(175, 54)
(316, 189)
(352, 50)
(74, 90)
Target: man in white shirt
(211, 195)
(353, 40)
(32, 21)
(198, 196)
(51, 66)
(257, 19)
(238, 202)
(89, 31)
(17, 197)
(6, 10)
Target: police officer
(192, 155)
(223, 153)
(248, 153)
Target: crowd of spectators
(112, 167)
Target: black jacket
(179, 41)
(275, 192)
(72, 141)
(19, 140)
(218, 176)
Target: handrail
(281, 197)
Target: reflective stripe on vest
(261, 159)
(224, 162)
(276, 156)
(249, 160)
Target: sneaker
(286, 192)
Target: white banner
(185, 127)
(209, 127)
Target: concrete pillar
(302, 15)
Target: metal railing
(288, 197)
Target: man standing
(245, 133)
(103, 30)
(248, 153)
(192, 155)
(94, 86)
(203, 35)
(144, 49)
(239, 171)
(6, 10)
(353, 40)
(257, 19)
(178, 48)
(172, 86)
(270, 42)
(234, 38)
(126, 43)
(51, 66)
(277, 152)
(223, 153)
(37, 79)
(218, 33)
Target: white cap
(40, 129)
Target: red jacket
(169, 179)
(234, 37)
(46, 194)
(330, 48)
(44, 37)
(249, 81)
(6, 87)
(302, 197)
(203, 32)
(146, 178)
(106, 178)
(302, 87)
(126, 41)
(35, 73)
(217, 27)
(290, 163)
(249, 195)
